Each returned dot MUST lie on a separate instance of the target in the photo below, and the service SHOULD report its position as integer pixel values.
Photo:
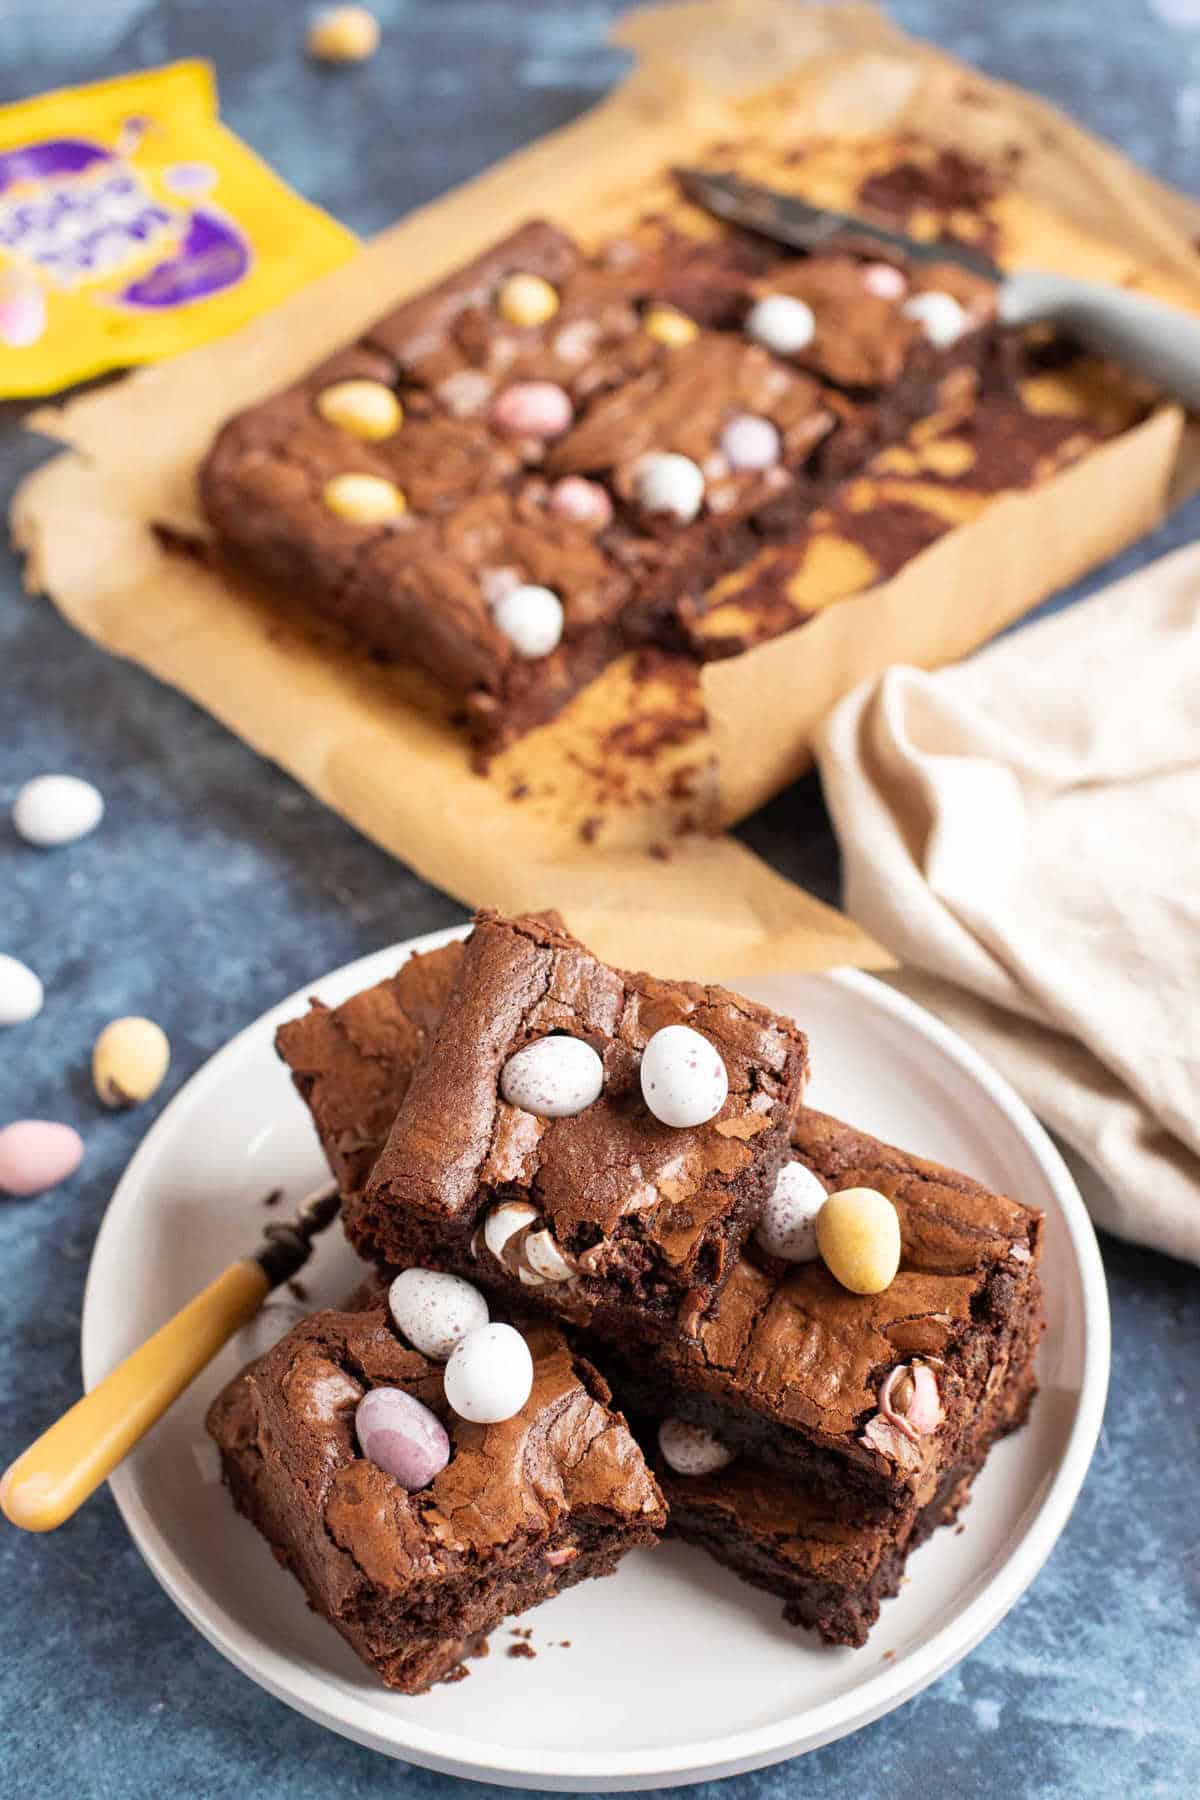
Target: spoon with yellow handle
(51, 1481)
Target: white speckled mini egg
(531, 618)
(781, 324)
(939, 315)
(56, 809)
(554, 1078)
(690, 1450)
(489, 1376)
(435, 1311)
(788, 1227)
(684, 1081)
(21, 992)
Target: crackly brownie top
(456, 1142)
(352, 1063)
(791, 1342)
(505, 1488)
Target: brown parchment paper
(603, 813)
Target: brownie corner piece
(611, 1217)
(415, 1581)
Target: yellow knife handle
(68, 1462)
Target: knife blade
(1158, 342)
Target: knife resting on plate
(1148, 337)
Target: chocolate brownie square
(415, 1581)
(830, 1563)
(607, 1215)
(792, 1370)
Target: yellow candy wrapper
(133, 225)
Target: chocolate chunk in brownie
(415, 1581)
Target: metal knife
(1154, 340)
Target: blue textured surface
(216, 885)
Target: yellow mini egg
(366, 409)
(858, 1235)
(129, 1060)
(364, 499)
(526, 300)
(670, 327)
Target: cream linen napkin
(1023, 831)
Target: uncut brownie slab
(415, 1581)
(646, 1220)
(832, 1565)
(788, 1367)
(479, 512)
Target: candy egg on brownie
(781, 324)
(748, 441)
(539, 409)
(670, 485)
(581, 501)
(858, 1234)
(553, 1078)
(525, 300)
(884, 281)
(364, 499)
(365, 409)
(788, 1227)
(489, 1376)
(435, 1311)
(939, 315)
(670, 327)
(401, 1436)
(531, 618)
(684, 1081)
(690, 1450)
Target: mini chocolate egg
(544, 1259)
(788, 1227)
(553, 1078)
(858, 1232)
(539, 409)
(504, 1221)
(684, 1081)
(690, 1450)
(129, 1061)
(344, 34)
(781, 324)
(669, 484)
(36, 1154)
(939, 315)
(885, 282)
(489, 1376)
(435, 1311)
(526, 300)
(364, 499)
(56, 809)
(21, 992)
(581, 501)
(400, 1435)
(365, 409)
(667, 325)
(531, 618)
(751, 442)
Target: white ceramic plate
(676, 1671)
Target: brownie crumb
(521, 1631)
(298, 1290)
(564, 1643)
(519, 790)
(273, 1198)
(660, 852)
(525, 1650)
(589, 830)
(459, 1672)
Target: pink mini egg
(884, 282)
(582, 502)
(532, 409)
(400, 1435)
(22, 312)
(36, 1154)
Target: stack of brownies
(572, 1183)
